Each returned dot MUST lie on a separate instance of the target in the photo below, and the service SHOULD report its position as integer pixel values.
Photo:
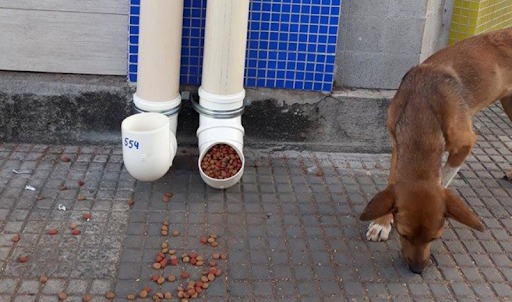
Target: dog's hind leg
(460, 138)
(506, 102)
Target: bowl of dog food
(221, 165)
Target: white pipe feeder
(221, 95)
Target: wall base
(76, 109)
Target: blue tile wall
(290, 43)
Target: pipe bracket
(218, 114)
(170, 112)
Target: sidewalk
(289, 229)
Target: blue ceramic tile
(134, 30)
(134, 10)
(134, 20)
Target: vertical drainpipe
(221, 94)
(158, 66)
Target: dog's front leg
(379, 229)
(458, 144)
(448, 173)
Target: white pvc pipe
(157, 96)
(225, 43)
(158, 66)
(222, 81)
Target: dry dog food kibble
(221, 162)
(110, 295)
(143, 293)
(160, 280)
(167, 196)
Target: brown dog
(431, 113)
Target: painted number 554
(131, 143)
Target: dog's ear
(457, 209)
(380, 205)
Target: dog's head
(419, 216)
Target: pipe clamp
(170, 112)
(218, 114)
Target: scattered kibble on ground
(43, 279)
(110, 295)
(143, 293)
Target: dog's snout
(416, 269)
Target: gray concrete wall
(378, 42)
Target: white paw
(378, 232)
